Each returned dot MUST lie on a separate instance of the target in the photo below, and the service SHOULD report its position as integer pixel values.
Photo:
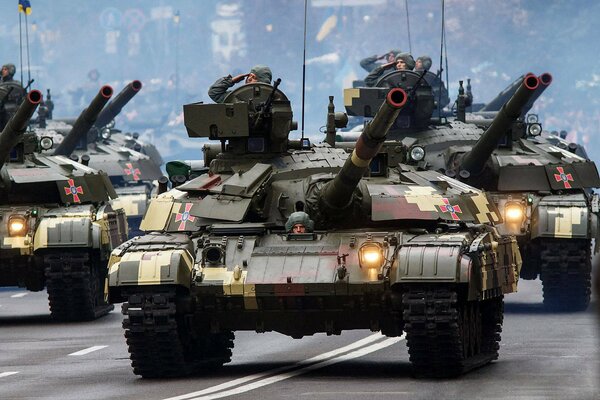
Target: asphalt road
(542, 356)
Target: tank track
(160, 342)
(75, 287)
(566, 274)
(447, 335)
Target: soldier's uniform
(11, 95)
(218, 91)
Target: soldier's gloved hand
(381, 57)
(239, 78)
(388, 65)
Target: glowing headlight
(17, 225)
(370, 255)
(513, 212)
(532, 118)
(46, 143)
(417, 153)
(535, 129)
(111, 124)
(106, 133)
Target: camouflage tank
(57, 227)
(391, 250)
(542, 188)
(132, 165)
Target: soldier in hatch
(11, 93)
(299, 222)
(402, 61)
(259, 73)
(370, 63)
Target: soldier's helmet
(11, 70)
(263, 73)
(299, 217)
(426, 62)
(408, 59)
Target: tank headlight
(111, 124)
(213, 254)
(17, 225)
(46, 143)
(106, 133)
(417, 153)
(535, 129)
(514, 212)
(532, 118)
(370, 255)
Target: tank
(542, 187)
(131, 164)
(57, 227)
(298, 238)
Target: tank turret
(17, 125)
(113, 108)
(338, 193)
(84, 122)
(474, 161)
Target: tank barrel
(337, 193)
(545, 81)
(113, 108)
(474, 160)
(84, 122)
(17, 125)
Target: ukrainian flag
(25, 6)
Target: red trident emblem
(130, 170)
(450, 209)
(562, 177)
(184, 217)
(74, 190)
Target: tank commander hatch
(259, 73)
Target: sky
(179, 48)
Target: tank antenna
(408, 27)
(20, 47)
(304, 66)
(442, 42)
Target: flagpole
(27, 44)
(21, 47)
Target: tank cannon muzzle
(115, 106)
(337, 193)
(84, 122)
(474, 161)
(16, 126)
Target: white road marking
(3, 374)
(320, 361)
(19, 295)
(88, 350)
(320, 357)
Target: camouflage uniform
(218, 91)
(379, 72)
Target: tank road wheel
(447, 335)
(75, 285)
(162, 344)
(566, 274)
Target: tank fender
(488, 264)
(66, 232)
(142, 268)
(562, 217)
